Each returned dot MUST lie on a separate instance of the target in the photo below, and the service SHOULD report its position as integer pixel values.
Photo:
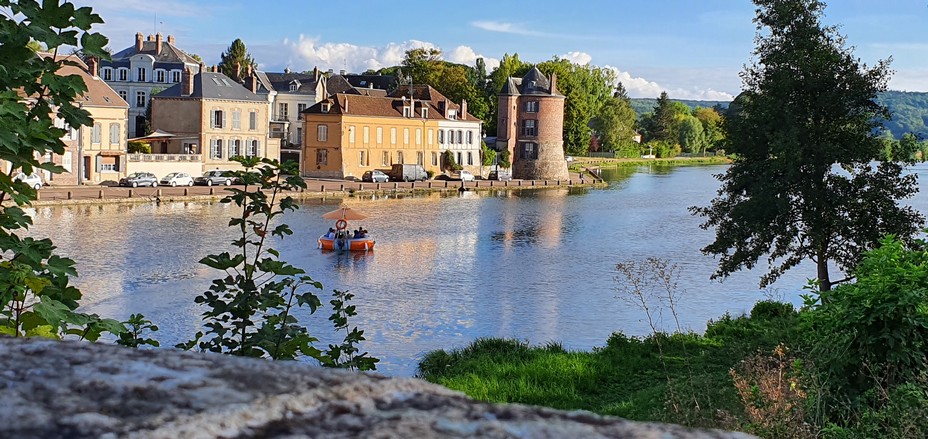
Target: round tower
(538, 124)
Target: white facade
(463, 139)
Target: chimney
(158, 43)
(202, 67)
(345, 107)
(342, 72)
(171, 39)
(463, 109)
(186, 82)
(151, 37)
(370, 85)
(93, 67)
(316, 73)
(331, 71)
(253, 82)
(553, 84)
(138, 42)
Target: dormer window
(407, 111)
(425, 112)
(452, 114)
(294, 86)
(325, 108)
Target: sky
(692, 49)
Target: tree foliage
(35, 295)
(456, 82)
(234, 62)
(587, 88)
(615, 124)
(804, 184)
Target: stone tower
(531, 126)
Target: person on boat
(331, 234)
(357, 233)
(362, 232)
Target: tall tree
(804, 184)
(615, 124)
(712, 125)
(692, 137)
(234, 62)
(586, 87)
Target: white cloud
(581, 58)
(500, 26)
(466, 55)
(638, 87)
(310, 52)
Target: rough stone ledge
(52, 389)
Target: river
(533, 265)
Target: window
(362, 157)
(215, 150)
(379, 135)
(367, 135)
(97, 133)
(324, 107)
(114, 134)
(528, 127)
(441, 136)
(452, 114)
(322, 133)
(425, 112)
(460, 162)
(218, 118)
(108, 163)
(418, 136)
(299, 135)
(406, 136)
(235, 147)
(122, 74)
(393, 136)
(252, 148)
(531, 106)
(236, 120)
(107, 73)
(434, 159)
(140, 74)
(407, 111)
(470, 158)
(528, 151)
(460, 137)
(351, 134)
(175, 75)
(322, 156)
(283, 109)
(399, 157)
(431, 136)
(140, 99)
(420, 158)
(124, 95)
(299, 109)
(253, 120)
(160, 75)
(294, 86)
(470, 137)
(385, 160)
(66, 161)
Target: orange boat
(349, 244)
(340, 239)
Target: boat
(341, 239)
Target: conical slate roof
(535, 82)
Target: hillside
(909, 110)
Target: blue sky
(693, 49)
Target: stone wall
(53, 389)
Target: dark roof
(169, 54)
(533, 83)
(211, 85)
(306, 82)
(383, 82)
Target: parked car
(137, 179)
(177, 179)
(33, 180)
(500, 175)
(400, 172)
(569, 159)
(462, 176)
(215, 177)
(375, 176)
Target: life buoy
(341, 224)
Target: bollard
(38, 196)
(158, 193)
(446, 183)
(130, 193)
(211, 190)
(430, 185)
(360, 186)
(322, 188)
(341, 187)
(186, 192)
(69, 195)
(378, 186)
(396, 185)
(101, 194)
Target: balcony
(165, 157)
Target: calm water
(534, 265)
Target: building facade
(531, 126)
(151, 65)
(209, 115)
(348, 134)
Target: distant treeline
(909, 111)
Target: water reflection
(447, 268)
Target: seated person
(330, 234)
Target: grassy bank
(680, 378)
(676, 161)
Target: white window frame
(122, 74)
(141, 99)
(114, 134)
(106, 73)
(236, 119)
(160, 75)
(322, 133)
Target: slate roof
(210, 85)
(533, 83)
(169, 54)
(383, 82)
(281, 82)
(360, 84)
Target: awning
(112, 153)
(155, 136)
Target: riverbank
(675, 161)
(315, 188)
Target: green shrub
(770, 309)
(139, 148)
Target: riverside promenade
(315, 188)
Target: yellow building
(348, 134)
(212, 118)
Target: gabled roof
(424, 96)
(360, 84)
(213, 85)
(98, 93)
(305, 82)
(169, 53)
